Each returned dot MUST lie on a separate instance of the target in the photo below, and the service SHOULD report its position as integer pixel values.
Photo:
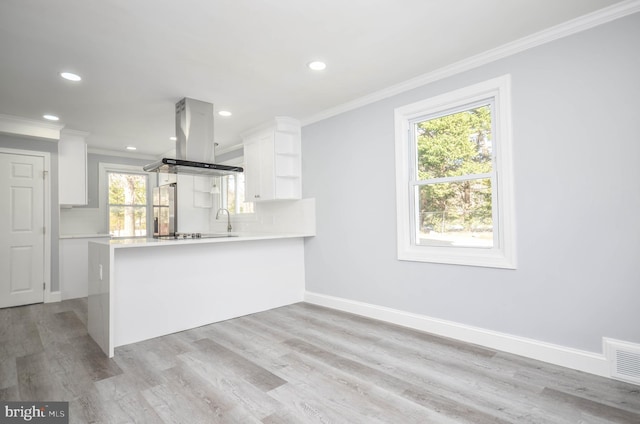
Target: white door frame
(49, 296)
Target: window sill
(490, 258)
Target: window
(453, 174)
(127, 204)
(232, 194)
(453, 178)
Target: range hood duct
(195, 148)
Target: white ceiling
(139, 57)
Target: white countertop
(236, 237)
(79, 236)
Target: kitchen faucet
(228, 217)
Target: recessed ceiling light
(70, 76)
(132, 148)
(51, 117)
(224, 113)
(317, 66)
(173, 138)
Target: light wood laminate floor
(296, 364)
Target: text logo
(34, 412)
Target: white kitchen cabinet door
(72, 168)
(165, 178)
(258, 156)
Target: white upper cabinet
(72, 168)
(273, 162)
(258, 164)
(165, 178)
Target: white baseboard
(50, 297)
(580, 360)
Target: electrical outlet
(100, 271)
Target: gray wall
(42, 145)
(576, 152)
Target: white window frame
(239, 217)
(503, 253)
(103, 188)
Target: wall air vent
(624, 360)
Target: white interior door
(21, 229)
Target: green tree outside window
(127, 205)
(453, 173)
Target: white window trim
(504, 254)
(103, 190)
(247, 217)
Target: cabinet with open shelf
(273, 162)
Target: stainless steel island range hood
(195, 148)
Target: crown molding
(565, 29)
(228, 149)
(121, 154)
(29, 127)
(73, 133)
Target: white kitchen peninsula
(140, 289)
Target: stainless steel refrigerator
(165, 210)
